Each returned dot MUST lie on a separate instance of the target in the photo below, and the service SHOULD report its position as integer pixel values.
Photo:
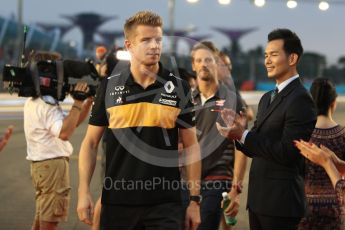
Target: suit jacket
(276, 179)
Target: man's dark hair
(111, 62)
(292, 43)
(324, 94)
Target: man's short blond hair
(146, 18)
(206, 45)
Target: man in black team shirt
(146, 107)
(222, 169)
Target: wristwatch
(196, 198)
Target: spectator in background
(6, 136)
(325, 210)
(101, 53)
(332, 165)
(189, 77)
(108, 65)
(225, 76)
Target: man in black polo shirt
(146, 107)
(222, 169)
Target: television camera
(54, 78)
(49, 76)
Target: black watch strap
(196, 198)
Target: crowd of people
(174, 141)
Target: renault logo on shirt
(169, 87)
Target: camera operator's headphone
(36, 79)
(49, 57)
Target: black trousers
(156, 217)
(262, 222)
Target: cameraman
(47, 132)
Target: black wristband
(197, 198)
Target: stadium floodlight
(323, 5)
(291, 4)
(259, 3)
(192, 1)
(224, 2)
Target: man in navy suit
(276, 198)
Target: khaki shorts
(51, 182)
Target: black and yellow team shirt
(141, 149)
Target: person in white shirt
(47, 132)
